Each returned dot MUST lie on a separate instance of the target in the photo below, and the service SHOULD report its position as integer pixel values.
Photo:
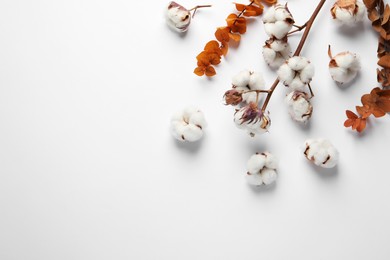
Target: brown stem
(311, 91)
(196, 8)
(309, 24)
(299, 28)
(242, 12)
(256, 90)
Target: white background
(89, 170)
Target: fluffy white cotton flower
(252, 119)
(321, 152)
(299, 106)
(348, 11)
(261, 169)
(178, 17)
(188, 125)
(344, 67)
(296, 72)
(275, 52)
(278, 21)
(248, 80)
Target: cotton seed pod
(178, 17)
(248, 80)
(299, 106)
(188, 125)
(321, 152)
(344, 67)
(261, 169)
(278, 21)
(348, 12)
(296, 72)
(252, 119)
(275, 52)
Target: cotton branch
(297, 52)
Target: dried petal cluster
(188, 125)
(252, 119)
(236, 25)
(178, 17)
(321, 152)
(343, 67)
(262, 169)
(377, 102)
(348, 12)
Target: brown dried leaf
(384, 61)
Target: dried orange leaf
(384, 61)
(199, 71)
(362, 125)
(349, 122)
(222, 34)
(235, 37)
(240, 7)
(351, 115)
(210, 71)
(386, 15)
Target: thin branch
(196, 8)
(297, 52)
(299, 28)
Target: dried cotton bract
(247, 80)
(348, 12)
(275, 52)
(178, 17)
(262, 169)
(252, 119)
(321, 152)
(344, 67)
(278, 21)
(296, 72)
(188, 125)
(299, 106)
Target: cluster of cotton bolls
(245, 93)
(321, 152)
(188, 125)
(262, 169)
(348, 12)
(296, 73)
(278, 22)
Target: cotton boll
(344, 67)
(256, 163)
(252, 119)
(296, 73)
(269, 176)
(241, 80)
(261, 169)
(178, 18)
(275, 52)
(278, 21)
(299, 106)
(321, 152)
(248, 80)
(188, 125)
(348, 12)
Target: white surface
(88, 169)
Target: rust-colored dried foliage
(236, 25)
(377, 103)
